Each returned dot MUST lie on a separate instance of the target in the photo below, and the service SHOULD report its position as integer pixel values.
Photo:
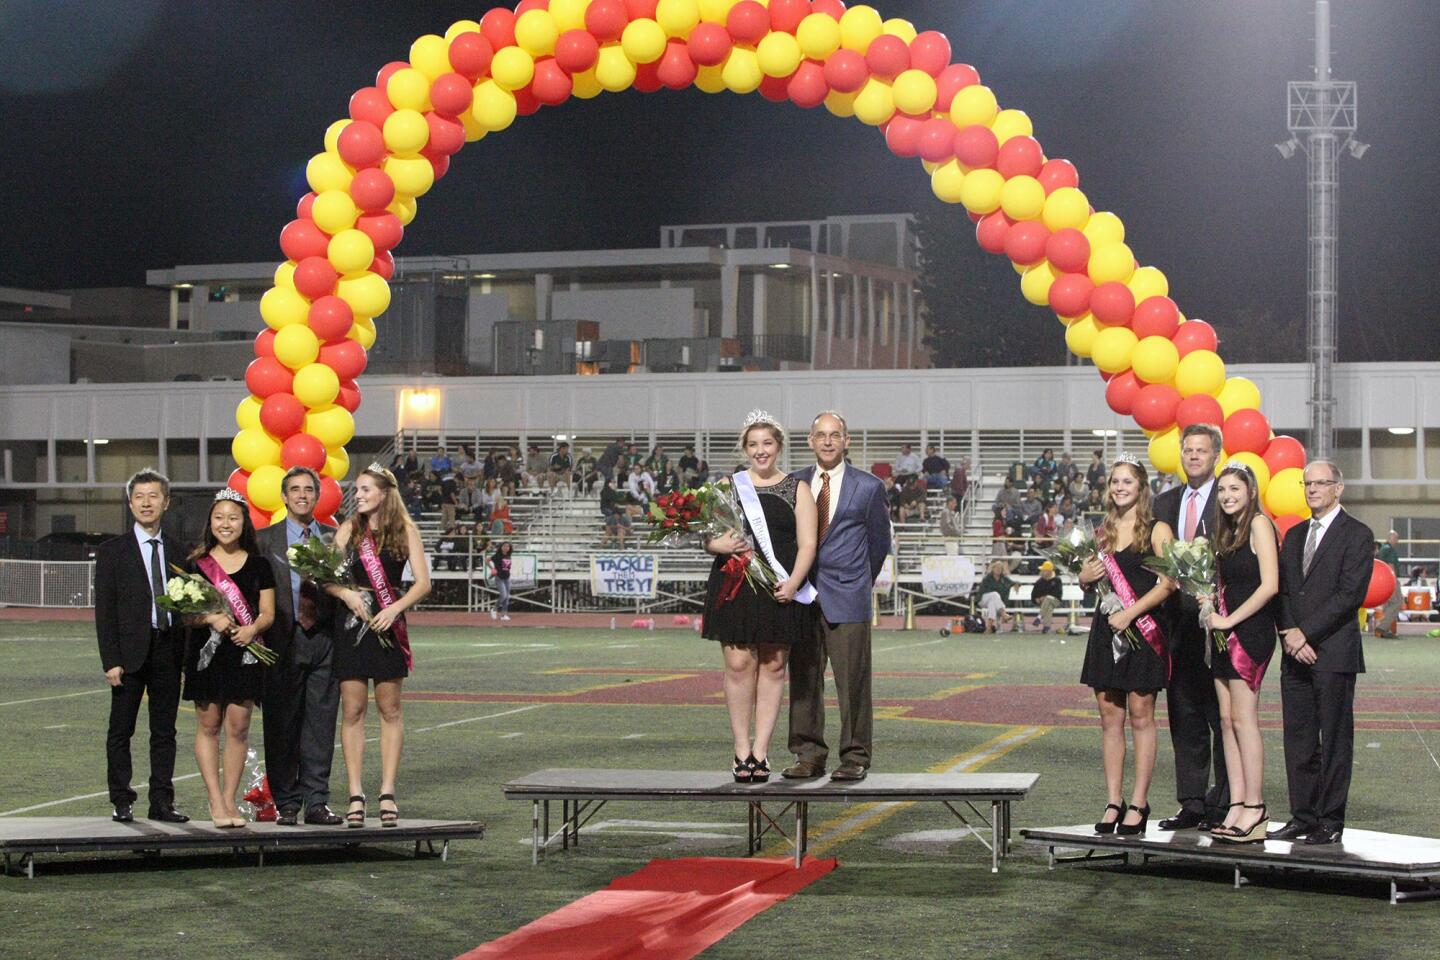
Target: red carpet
(670, 910)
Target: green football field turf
(488, 705)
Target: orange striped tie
(822, 506)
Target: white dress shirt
(144, 540)
(1325, 523)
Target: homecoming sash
(235, 600)
(1149, 629)
(755, 514)
(1251, 672)
(375, 570)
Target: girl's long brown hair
(1230, 534)
(1144, 516)
(392, 532)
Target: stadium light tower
(1322, 112)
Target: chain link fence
(47, 583)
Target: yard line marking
(488, 716)
(510, 736)
(632, 736)
(907, 646)
(62, 726)
(138, 788)
(58, 696)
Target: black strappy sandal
(1219, 829)
(389, 818)
(356, 818)
(759, 769)
(740, 770)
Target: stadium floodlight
(1356, 148)
(1288, 148)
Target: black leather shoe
(1323, 835)
(321, 815)
(803, 770)
(1183, 820)
(124, 813)
(288, 815)
(168, 815)
(1293, 830)
(849, 772)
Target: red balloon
(976, 146)
(930, 51)
(345, 357)
(439, 163)
(282, 415)
(302, 450)
(647, 79)
(606, 19)
(808, 88)
(239, 482)
(1382, 583)
(305, 205)
(1155, 317)
(887, 56)
(330, 497)
(1199, 408)
(748, 22)
(992, 229)
(314, 277)
(525, 6)
(1283, 525)
(1112, 303)
(786, 14)
(1246, 431)
(361, 143)
(709, 44)
(388, 71)
(266, 376)
(1055, 174)
(846, 71)
(383, 229)
(372, 190)
(1070, 294)
(552, 85)
(902, 135)
(1195, 335)
(525, 102)
(384, 262)
(951, 81)
(470, 55)
(451, 94)
(330, 318)
(1020, 156)
(370, 105)
(641, 9)
(448, 136)
(1068, 250)
(1282, 453)
(777, 89)
(1025, 242)
(260, 518)
(1155, 406)
(349, 396)
(498, 27)
(834, 9)
(265, 343)
(301, 239)
(1121, 391)
(577, 50)
(937, 140)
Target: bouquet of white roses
(1191, 564)
(1071, 552)
(191, 595)
(325, 564)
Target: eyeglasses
(1314, 484)
(834, 437)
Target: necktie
(822, 506)
(1311, 540)
(305, 611)
(157, 584)
(1192, 514)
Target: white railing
(47, 583)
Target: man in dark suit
(141, 647)
(1190, 699)
(302, 694)
(853, 542)
(1325, 568)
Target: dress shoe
(288, 815)
(1323, 835)
(1184, 819)
(124, 813)
(849, 772)
(1293, 830)
(168, 815)
(803, 770)
(320, 815)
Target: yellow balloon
(981, 191)
(430, 55)
(1080, 335)
(253, 448)
(859, 26)
(1200, 371)
(412, 176)
(1113, 348)
(263, 487)
(316, 385)
(1257, 466)
(1110, 262)
(1022, 198)
(326, 171)
(281, 307)
(715, 11)
(1104, 227)
(710, 79)
(876, 103)
(742, 71)
(840, 104)
(406, 132)
(367, 294)
(332, 135)
(512, 68)
(819, 36)
(1036, 282)
(1155, 360)
(285, 274)
(247, 414)
(569, 14)
(1011, 123)
(1239, 393)
(614, 70)
(334, 211)
(973, 105)
(1066, 207)
(903, 29)
(643, 41)
(536, 32)
(405, 208)
(408, 89)
(464, 26)
(337, 463)
(586, 87)
(778, 54)
(331, 425)
(930, 168)
(915, 92)
(1285, 497)
(494, 107)
(1164, 451)
(1149, 282)
(676, 17)
(350, 251)
(948, 181)
(279, 514)
(363, 332)
(296, 346)
(473, 130)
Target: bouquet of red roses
(705, 513)
(674, 515)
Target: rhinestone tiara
(226, 493)
(1237, 465)
(1129, 458)
(758, 416)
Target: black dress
(360, 655)
(1239, 578)
(754, 616)
(226, 679)
(1141, 670)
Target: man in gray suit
(301, 692)
(853, 542)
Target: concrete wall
(33, 356)
(630, 314)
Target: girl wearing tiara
(381, 538)
(1126, 660)
(1247, 561)
(220, 678)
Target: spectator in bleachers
(633, 457)
(936, 468)
(997, 524)
(1046, 593)
(610, 458)
(657, 464)
(534, 467)
(449, 499)
(994, 591)
(960, 479)
(689, 467)
(471, 501)
(491, 464)
(702, 475)
(507, 471)
(440, 463)
(587, 474)
(1078, 489)
(1066, 470)
(1095, 474)
(432, 493)
(412, 464)
(397, 467)
(907, 465)
(612, 509)
(500, 524)
(1043, 469)
(640, 486)
(892, 497)
(450, 549)
(558, 469)
(1031, 508)
(1095, 503)
(912, 500)
(951, 525)
(414, 501)
(469, 469)
(1008, 496)
(477, 538)
(1047, 527)
(1066, 508)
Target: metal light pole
(1323, 111)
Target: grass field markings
(910, 646)
(58, 696)
(529, 646)
(634, 736)
(949, 692)
(488, 716)
(510, 736)
(58, 726)
(138, 788)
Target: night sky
(144, 134)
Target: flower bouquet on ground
(191, 595)
(325, 565)
(704, 513)
(1191, 564)
(1071, 552)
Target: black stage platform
(585, 790)
(1410, 861)
(22, 838)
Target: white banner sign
(947, 576)
(624, 574)
(885, 582)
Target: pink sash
(1251, 672)
(228, 588)
(1149, 629)
(375, 570)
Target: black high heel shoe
(759, 769)
(1255, 833)
(1123, 829)
(1205, 827)
(741, 771)
(1104, 826)
(356, 818)
(389, 818)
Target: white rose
(175, 589)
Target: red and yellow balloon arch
(479, 78)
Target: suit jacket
(1324, 604)
(273, 546)
(123, 601)
(854, 549)
(1182, 611)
